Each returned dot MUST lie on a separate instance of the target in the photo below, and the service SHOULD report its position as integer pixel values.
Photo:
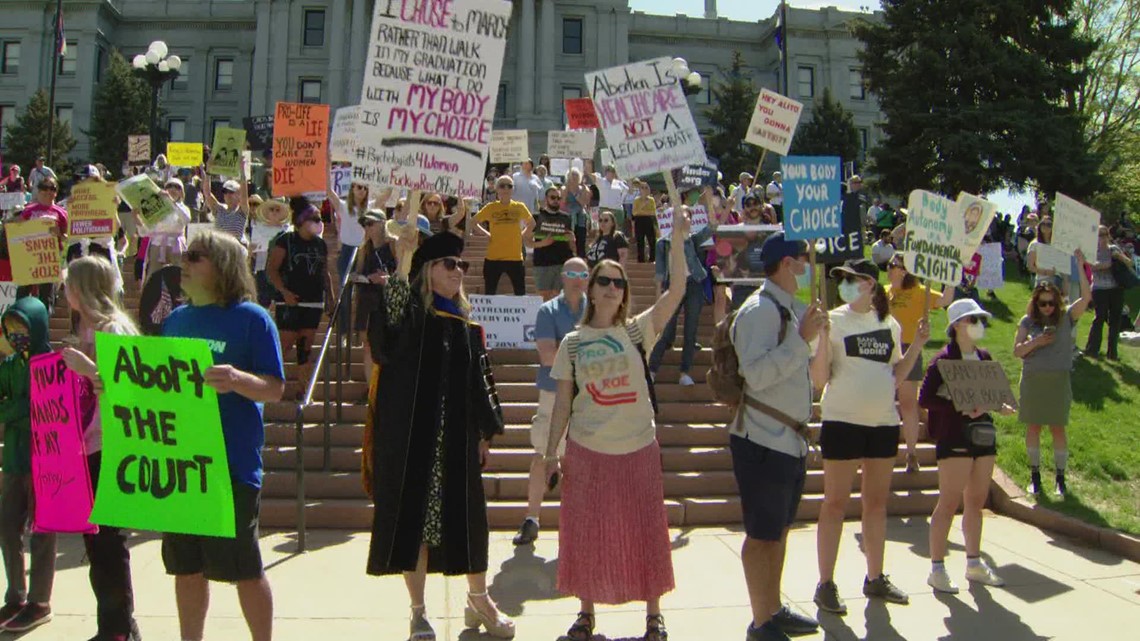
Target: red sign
(580, 113)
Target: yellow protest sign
(34, 251)
(225, 155)
(92, 210)
(184, 154)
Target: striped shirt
(231, 222)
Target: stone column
(548, 93)
(335, 46)
(279, 80)
(358, 49)
(524, 94)
(259, 100)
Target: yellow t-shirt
(506, 225)
(907, 308)
(644, 206)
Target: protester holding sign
(375, 263)
(91, 293)
(613, 530)
(231, 216)
(611, 194)
(435, 413)
(1033, 260)
(167, 237)
(43, 206)
(965, 448)
(25, 326)
(271, 219)
(13, 183)
(1044, 343)
(346, 215)
(247, 372)
(1108, 295)
(575, 200)
(553, 238)
(509, 221)
(859, 371)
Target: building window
(310, 91)
(571, 35)
(68, 63)
(216, 124)
(100, 63)
(7, 119)
(182, 81)
(705, 96)
(501, 103)
(864, 141)
(569, 93)
(64, 115)
(314, 35)
(806, 80)
(224, 74)
(10, 57)
(176, 130)
(858, 90)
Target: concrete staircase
(699, 484)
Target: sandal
(583, 628)
(655, 628)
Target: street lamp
(690, 80)
(157, 69)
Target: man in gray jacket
(771, 335)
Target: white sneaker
(685, 380)
(983, 574)
(940, 581)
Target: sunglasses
(553, 198)
(451, 264)
(193, 255)
(48, 188)
(973, 320)
(606, 281)
(850, 278)
(432, 203)
(1043, 303)
(896, 266)
(360, 187)
(504, 187)
(576, 275)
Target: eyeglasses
(451, 264)
(576, 275)
(193, 255)
(606, 281)
(1046, 302)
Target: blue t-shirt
(555, 320)
(245, 337)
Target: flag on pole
(779, 35)
(60, 40)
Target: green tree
(976, 95)
(830, 132)
(731, 111)
(26, 139)
(120, 108)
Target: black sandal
(655, 628)
(583, 628)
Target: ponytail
(880, 302)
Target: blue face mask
(20, 342)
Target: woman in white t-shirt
(347, 215)
(860, 368)
(613, 535)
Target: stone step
(671, 412)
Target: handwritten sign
(259, 132)
(976, 385)
(559, 167)
(59, 462)
(645, 118)
(934, 234)
(698, 220)
(91, 210)
(146, 198)
(774, 122)
(164, 457)
(343, 143)
(300, 153)
(138, 150)
(184, 154)
(34, 251)
(571, 144)
(225, 154)
(580, 113)
(812, 201)
(991, 276)
(341, 180)
(1075, 227)
(508, 321)
(1049, 257)
(11, 201)
(428, 101)
(509, 145)
(976, 215)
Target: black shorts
(848, 442)
(216, 558)
(771, 484)
(296, 319)
(956, 445)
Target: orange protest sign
(34, 251)
(300, 148)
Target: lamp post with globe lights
(690, 80)
(156, 68)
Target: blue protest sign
(812, 201)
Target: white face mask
(850, 292)
(803, 281)
(976, 331)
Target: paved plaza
(1056, 590)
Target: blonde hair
(368, 246)
(428, 294)
(233, 280)
(622, 313)
(91, 280)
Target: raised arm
(667, 304)
(1081, 304)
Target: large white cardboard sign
(343, 144)
(774, 122)
(508, 321)
(934, 235)
(1075, 227)
(509, 145)
(571, 144)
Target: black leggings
(1109, 306)
(645, 231)
(110, 572)
(493, 270)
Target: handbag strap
(796, 426)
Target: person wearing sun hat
(965, 456)
(435, 412)
(271, 219)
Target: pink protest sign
(59, 462)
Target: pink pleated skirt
(613, 535)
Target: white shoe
(983, 574)
(685, 380)
(940, 581)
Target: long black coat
(434, 372)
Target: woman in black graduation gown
(436, 411)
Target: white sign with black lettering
(571, 144)
(508, 321)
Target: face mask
(803, 281)
(850, 292)
(316, 227)
(20, 342)
(977, 331)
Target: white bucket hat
(960, 309)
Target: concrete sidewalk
(1055, 590)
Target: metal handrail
(319, 368)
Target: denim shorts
(771, 484)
